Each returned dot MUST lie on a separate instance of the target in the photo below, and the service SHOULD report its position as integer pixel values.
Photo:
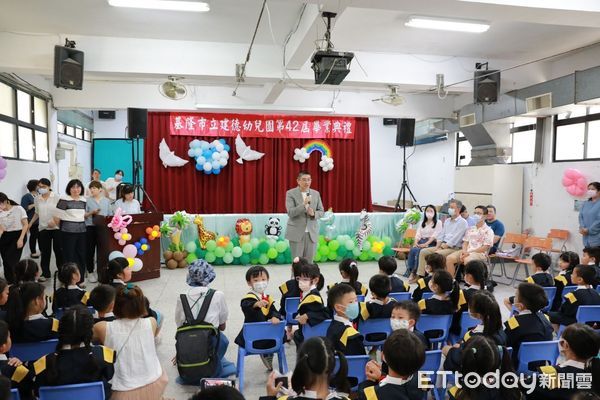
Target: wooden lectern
(107, 244)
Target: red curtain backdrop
(255, 186)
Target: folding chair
(317, 330)
(373, 326)
(401, 296)
(87, 391)
(356, 369)
(400, 248)
(561, 236)
(516, 239)
(466, 323)
(291, 310)
(34, 350)
(536, 352)
(255, 331)
(433, 361)
(429, 322)
(542, 245)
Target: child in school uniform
(258, 306)
(542, 277)
(349, 272)
(27, 270)
(312, 310)
(4, 290)
(380, 305)
(585, 295)
(435, 262)
(591, 256)
(404, 355)
(567, 262)
(19, 374)
(579, 345)
(102, 298)
(69, 294)
(26, 302)
(342, 333)
(475, 278)
(290, 289)
(388, 266)
(530, 325)
(447, 298)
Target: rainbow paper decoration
(318, 145)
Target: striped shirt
(72, 214)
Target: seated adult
(200, 274)
(496, 225)
(476, 243)
(451, 238)
(465, 214)
(426, 235)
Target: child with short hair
(404, 354)
(380, 305)
(349, 272)
(435, 262)
(388, 266)
(27, 270)
(102, 298)
(405, 315)
(530, 325)
(26, 302)
(591, 256)
(69, 294)
(342, 334)
(258, 306)
(290, 287)
(447, 298)
(567, 261)
(4, 290)
(20, 376)
(585, 295)
(541, 276)
(311, 310)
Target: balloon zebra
(365, 229)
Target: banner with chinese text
(266, 126)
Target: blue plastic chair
(588, 314)
(34, 350)
(401, 296)
(61, 311)
(375, 325)
(291, 310)
(536, 351)
(360, 298)
(84, 391)
(568, 289)
(429, 322)
(466, 323)
(317, 330)
(598, 288)
(433, 361)
(550, 294)
(255, 331)
(356, 368)
(14, 394)
(427, 295)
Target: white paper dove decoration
(245, 152)
(168, 157)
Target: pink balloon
(137, 265)
(566, 181)
(3, 163)
(129, 251)
(122, 242)
(573, 173)
(117, 236)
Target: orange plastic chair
(517, 239)
(542, 245)
(409, 234)
(560, 235)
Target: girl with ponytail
(447, 297)
(476, 277)
(313, 373)
(75, 359)
(69, 294)
(349, 272)
(26, 303)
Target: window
(522, 140)
(74, 131)
(23, 125)
(463, 150)
(577, 135)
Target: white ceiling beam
(273, 91)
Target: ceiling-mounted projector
(331, 67)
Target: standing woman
(96, 204)
(13, 235)
(28, 204)
(589, 217)
(426, 236)
(45, 210)
(71, 212)
(110, 185)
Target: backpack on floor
(197, 342)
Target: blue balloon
(208, 172)
(216, 171)
(226, 147)
(140, 252)
(207, 154)
(199, 167)
(222, 141)
(143, 241)
(137, 244)
(192, 152)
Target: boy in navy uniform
(591, 256)
(12, 368)
(387, 266)
(583, 276)
(342, 333)
(102, 298)
(380, 305)
(567, 262)
(312, 309)
(435, 262)
(542, 277)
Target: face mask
(259, 287)
(352, 311)
(304, 285)
(592, 193)
(429, 214)
(118, 178)
(398, 324)
(42, 190)
(476, 217)
(451, 212)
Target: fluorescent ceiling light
(571, 5)
(173, 5)
(445, 24)
(304, 110)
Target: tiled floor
(164, 291)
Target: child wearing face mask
(435, 262)
(342, 333)
(258, 306)
(312, 309)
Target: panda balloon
(273, 228)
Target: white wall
(111, 128)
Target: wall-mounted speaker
(106, 114)
(68, 68)
(486, 86)
(390, 121)
(137, 123)
(405, 132)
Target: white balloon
(223, 162)
(207, 166)
(219, 146)
(322, 163)
(201, 160)
(216, 156)
(302, 160)
(215, 164)
(197, 152)
(225, 155)
(192, 152)
(297, 151)
(195, 143)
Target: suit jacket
(298, 219)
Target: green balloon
(245, 259)
(263, 259)
(272, 253)
(387, 240)
(246, 248)
(263, 247)
(271, 242)
(254, 261)
(366, 246)
(317, 257)
(281, 246)
(254, 254)
(211, 245)
(235, 241)
(191, 258)
(364, 256)
(219, 261)
(324, 250)
(280, 259)
(236, 251)
(190, 247)
(228, 258)
(356, 252)
(254, 242)
(229, 246)
(378, 256)
(334, 245)
(332, 255)
(210, 257)
(200, 253)
(387, 251)
(349, 245)
(219, 252)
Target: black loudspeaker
(68, 68)
(106, 114)
(405, 133)
(390, 121)
(486, 86)
(137, 123)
